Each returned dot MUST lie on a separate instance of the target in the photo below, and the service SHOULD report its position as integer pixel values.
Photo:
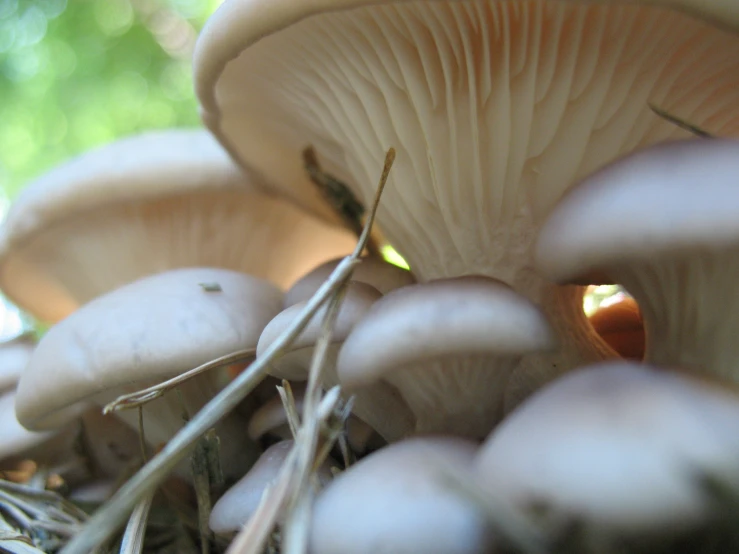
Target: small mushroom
(449, 347)
(373, 271)
(378, 404)
(677, 255)
(398, 500)
(234, 509)
(94, 445)
(146, 204)
(619, 447)
(142, 334)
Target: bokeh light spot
(114, 17)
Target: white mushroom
(619, 447)
(146, 332)
(678, 255)
(495, 109)
(238, 504)
(373, 271)
(143, 205)
(379, 404)
(449, 347)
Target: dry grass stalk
(288, 401)
(252, 539)
(139, 398)
(112, 515)
(133, 537)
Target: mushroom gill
(494, 107)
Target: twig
(255, 534)
(133, 537)
(291, 410)
(135, 399)
(201, 483)
(697, 131)
(113, 513)
(253, 538)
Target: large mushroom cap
(146, 204)
(618, 446)
(149, 330)
(495, 108)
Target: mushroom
(449, 347)
(234, 509)
(143, 333)
(145, 204)
(373, 271)
(677, 254)
(397, 500)
(620, 447)
(94, 445)
(378, 404)
(618, 321)
(494, 109)
(91, 446)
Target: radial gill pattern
(495, 108)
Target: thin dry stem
(139, 398)
(255, 534)
(112, 514)
(252, 539)
(133, 537)
(291, 409)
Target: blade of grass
(139, 398)
(133, 536)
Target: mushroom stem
(456, 394)
(579, 343)
(690, 310)
(165, 416)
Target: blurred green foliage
(78, 73)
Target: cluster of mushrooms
(534, 158)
